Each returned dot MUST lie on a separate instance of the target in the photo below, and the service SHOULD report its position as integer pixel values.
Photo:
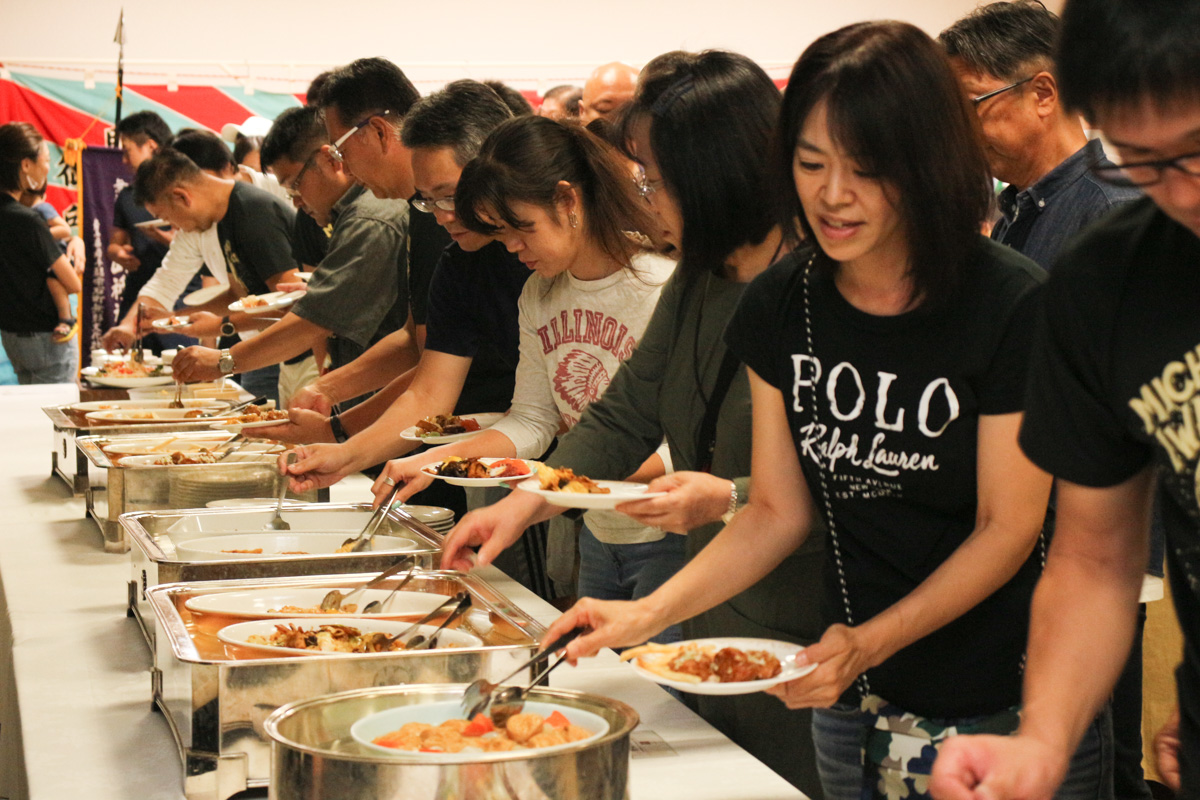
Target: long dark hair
(18, 141)
(524, 159)
(711, 116)
(895, 106)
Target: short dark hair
(1004, 39)
(18, 141)
(460, 116)
(524, 160)
(1121, 53)
(368, 86)
(566, 94)
(244, 146)
(515, 101)
(206, 150)
(895, 106)
(294, 135)
(166, 168)
(312, 96)
(142, 126)
(716, 173)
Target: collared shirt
(1038, 221)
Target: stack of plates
(440, 519)
(195, 488)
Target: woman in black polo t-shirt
(28, 256)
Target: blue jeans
(37, 359)
(839, 732)
(629, 571)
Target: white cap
(253, 126)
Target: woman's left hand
(692, 499)
(841, 655)
(407, 473)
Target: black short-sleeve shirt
(898, 401)
(473, 314)
(255, 236)
(427, 241)
(27, 251)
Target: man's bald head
(608, 89)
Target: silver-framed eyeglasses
(988, 95)
(335, 149)
(293, 188)
(429, 206)
(645, 186)
(1146, 173)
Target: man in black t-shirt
(1113, 404)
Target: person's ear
(1045, 89)
(180, 196)
(567, 201)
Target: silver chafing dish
(153, 536)
(70, 463)
(315, 758)
(216, 707)
(115, 488)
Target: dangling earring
(29, 180)
(572, 219)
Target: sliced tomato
(480, 725)
(557, 720)
(469, 425)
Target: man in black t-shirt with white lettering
(1113, 404)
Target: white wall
(530, 42)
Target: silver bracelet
(733, 503)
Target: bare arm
(66, 275)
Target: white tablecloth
(75, 713)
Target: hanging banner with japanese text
(103, 176)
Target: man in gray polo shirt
(359, 292)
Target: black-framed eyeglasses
(293, 188)
(1146, 173)
(428, 206)
(988, 95)
(335, 149)
(645, 186)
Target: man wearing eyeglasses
(1003, 56)
(1113, 406)
(358, 293)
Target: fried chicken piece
(549, 737)
(692, 660)
(521, 727)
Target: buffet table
(75, 711)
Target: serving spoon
(334, 599)
(478, 696)
(277, 522)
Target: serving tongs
(334, 599)
(481, 695)
(356, 544)
(219, 412)
(137, 356)
(228, 448)
(461, 603)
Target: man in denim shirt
(1003, 55)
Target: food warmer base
(216, 707)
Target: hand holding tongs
(356, 544)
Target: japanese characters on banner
(104, 176)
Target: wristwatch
(227, 328)
(226, 364)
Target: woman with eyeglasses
(706, 185)
(559, 198)
(887, 361)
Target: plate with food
(446, 428)
(562, 487)
(458, 471)
(433, 730)
(334, 635)
(276, 544)
(306, 602)
(261, 303)
(192, 458)
(125, 415)
(261, 418)
(123, 405)
(152, 223)
(171, 323)
(721, 665)
(128, 375)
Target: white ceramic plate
(371, 727)
(241, 426)
(240, 457)
(152, 415)
(251, 502)
(619, 492)
(431, 471)
(485, 421)
(165, 323)
(273, 543)
(121, 405)
(126, 383)
(238, 633)
(786, 652)
(257, 603)
(273, 300)
(168, 444)
(205, 295)
(152, 223)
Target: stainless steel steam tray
(216, 704)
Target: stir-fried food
(201, 456)
(348, 608)
(689, 662)
(565, 480)
(129, 369)
(256, 414)
(456, 467)
(446, 425)
(521, 732)
(253, 301)
(328, 639)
